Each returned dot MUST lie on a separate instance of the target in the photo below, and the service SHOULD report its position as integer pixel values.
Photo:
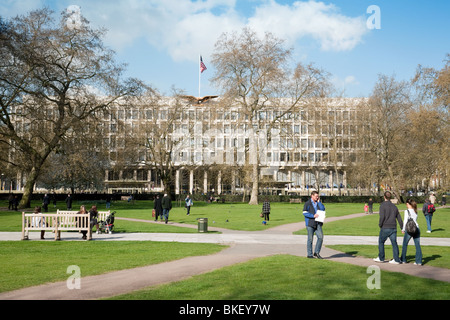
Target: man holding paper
(314, 212)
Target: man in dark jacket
(46, 202)
(69, 202)
(388, 228)
(310, 212)
(166, 206)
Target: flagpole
(199, 74)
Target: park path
(243, 246)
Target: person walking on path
(188, 204)
(166, 206)
(313, 227)
(370, 203)
(69, 202)
(428, 210)
(46, 202)
(388, 228)
(10, 201)
(266, 209)
(411, 211)
(158, 208)
(433, 198)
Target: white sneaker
(428, 231)
(394, 262)
(377, 259)
(417, 264)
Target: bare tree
(429, 124)
(53, 75)
(390, 105)
(254, 74)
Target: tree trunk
(28, 189)
(255, 185)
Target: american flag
(202, 65)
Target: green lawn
(27, 263)
(435, 256)
(235, 216)
(285, 277)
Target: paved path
(243, 246)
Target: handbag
(411, 226)
(153, 213)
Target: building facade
(211, 148)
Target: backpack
(431, 208)
(411, 226)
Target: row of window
(232, 115)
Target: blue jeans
(429, 217)
(319, 234)
(166, 213)
(416, 238)
(392, 235)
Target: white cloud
(342, 85)
(318, 20)
(183, 28)
(186, 28)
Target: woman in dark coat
(158, 208)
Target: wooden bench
(295, 200)
(101, 216)
(55, 222)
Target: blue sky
(161, 40)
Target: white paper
(321, 217)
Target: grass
(278, 277)
(235, 216)
(29, 263)
(285, 277)
(436, 256)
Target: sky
(354, 40)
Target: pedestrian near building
(188, 204)
(428, 210)
(54, 200)
(157, 206)
(10, 201)
(388, 228)
(69, 202)
(46, 202)
(411, 212)
(313, 227)
(108, 201)
(166, 206)
(432, 198)
(266, 209)
(370, 203)
(15, 203)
